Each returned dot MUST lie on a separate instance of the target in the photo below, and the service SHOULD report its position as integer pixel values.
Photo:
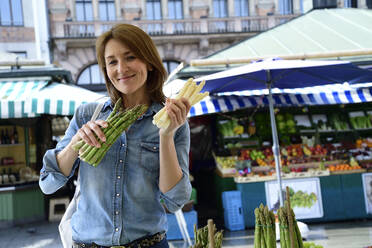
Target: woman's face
(127, 73)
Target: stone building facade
(182, 30)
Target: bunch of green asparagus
(202, 237)
(118, 121)
(290, 236)
(264, 233)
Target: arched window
(92, 78)
(170, 65)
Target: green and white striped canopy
(30, 98)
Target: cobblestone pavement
(352, 234)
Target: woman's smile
(124, 79)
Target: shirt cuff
(180, 194)
(51, 178)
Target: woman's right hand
(89, 131)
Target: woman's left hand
(177, 110)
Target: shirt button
(117, 194)
(154, 147)
(123, 145)
(121, 161)
(118, 177)
(117, 229)
(116, 212)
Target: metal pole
(276, 148)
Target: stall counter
(21, 204)
(342, 198)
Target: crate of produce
(233, 211)
(226, 165)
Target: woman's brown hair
(143, 48)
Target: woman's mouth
(125, 78)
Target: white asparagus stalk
(186, 94)
(190, 91)
(179, 95)
(198, 98)
(196, 93)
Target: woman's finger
(176, 109)
(187, 104)
(96, 126)
(89, 134)
(180, 104)
(83, 133)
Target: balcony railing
(174, 27)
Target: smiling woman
(120, 200)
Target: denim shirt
(120, 198)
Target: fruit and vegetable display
(360, 122)
(302, 199)
(190, 91)
(339, 123)
(230, 128)
(311, 144)
(286, 123)
(226, 162)
(118, 121)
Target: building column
(296, 8)
(143, 9)
(164, 9)
(118, 10)
(95, 10)
(230, 8)
(186, 9)
(72, 9)
(252, 7)
(210, 6)
(362, 4)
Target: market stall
(309, 148)
(30, 99)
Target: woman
(120, 198)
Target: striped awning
(59, 99)
(319, 95)
(14, 94)
(30, 98)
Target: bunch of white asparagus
(190, 91)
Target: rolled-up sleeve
(175, 198)
(51, 177)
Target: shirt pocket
(150, 156)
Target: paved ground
(354, 234)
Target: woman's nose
(122, 66)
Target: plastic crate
(232, 210)
(174, 232)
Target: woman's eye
(112, 62)
(130, 58)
